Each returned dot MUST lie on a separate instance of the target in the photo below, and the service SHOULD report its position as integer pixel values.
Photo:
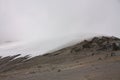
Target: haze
(31, 20)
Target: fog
(33, 19)
(43, 20)
(23, 19)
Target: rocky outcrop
(99, 43)
(11, 62)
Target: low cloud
(37, 19)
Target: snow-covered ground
(38, 47)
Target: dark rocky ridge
(98, 45)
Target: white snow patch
(39, 47)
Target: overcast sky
(42, 19)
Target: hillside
(90, 59)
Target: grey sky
(33, 19)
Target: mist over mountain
(59, 39)
(38, 23)
(24, 20)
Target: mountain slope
(97, 53)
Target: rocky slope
(99, 51)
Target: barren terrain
(96, 59)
